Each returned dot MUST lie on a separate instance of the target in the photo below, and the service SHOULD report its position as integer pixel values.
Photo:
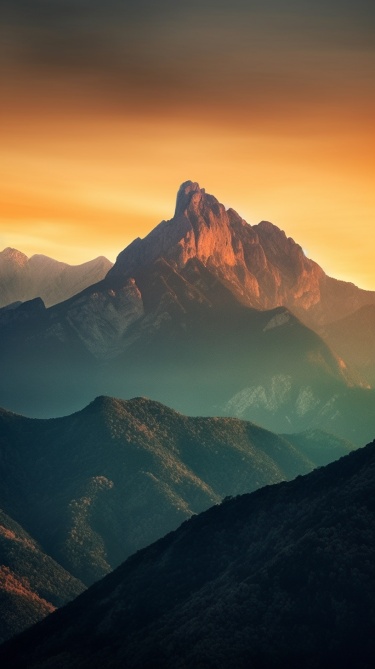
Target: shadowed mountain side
(283, 578)
(261, 366)
(231, 360)
(353, 337)
(94, 487)
(31, 583)
(23, 278)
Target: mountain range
(212, 317)
(81, 493)
(204, 301)
(281, 578)
(23, 278)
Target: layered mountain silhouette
(82, 493)
(192, 316)
(282, 578)
(23, 278)
(211, 316)
(119, 474)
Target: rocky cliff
(259, 265)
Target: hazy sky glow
(107, 106)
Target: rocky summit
(259, 265)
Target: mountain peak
(135, 405)
(190, 187)
(200, 228)
(267, 226)
(188, 193)
(253, 261)
(214, 251)
(193, 200)
(14, 256)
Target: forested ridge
(282, 577)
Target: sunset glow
(272, 113)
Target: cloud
(111, 35)
(243, 60)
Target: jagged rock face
(199, 229)
(259, 265)
(102, 319)
(203, 230)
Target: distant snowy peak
(23, 278)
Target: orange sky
(273, 117)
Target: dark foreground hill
(281, 578)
